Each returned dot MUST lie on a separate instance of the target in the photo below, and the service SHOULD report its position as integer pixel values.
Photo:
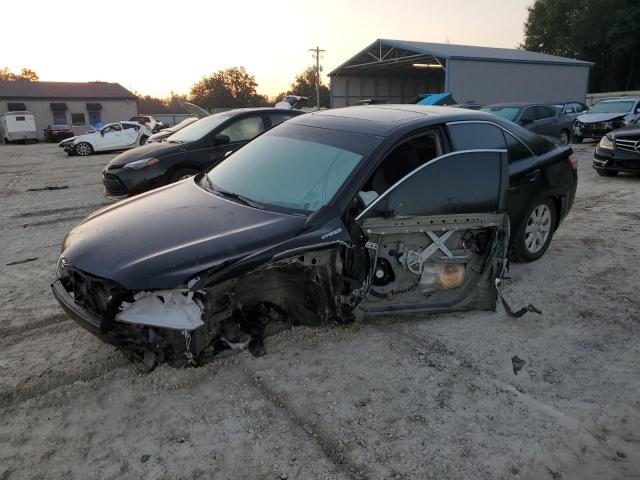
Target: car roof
(380, 120)
(617, 99)
(518, 104)
(240, 111)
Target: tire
(564, 137)
(577, 139)
(534, 235)
(83, 149)
(607, 173)
(181, 174)
(143, 140)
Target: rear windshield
(612, 107)
(505, 112)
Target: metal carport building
(398, 71)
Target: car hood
(144, 151)
(159, 240)
(600, 117)
(628, 131)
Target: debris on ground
(517, 363)
(18, 262)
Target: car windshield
(198, 129)
(182, 124)
(506, 112)
(612, 107)
(292, 167)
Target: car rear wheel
(535, 233)
(83, 149)
(564, 137)
(607, 173)
(181, 174)
(577, 139)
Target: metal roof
(64, 90)
(466, 52)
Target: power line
(316, 54)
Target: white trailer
(18, 126)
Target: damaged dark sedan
(382, 209)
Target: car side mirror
(221, 139)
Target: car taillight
(573, 162)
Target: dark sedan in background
(541, 119)
(192, 149)
(618, 151)
(606, 116)
(57, 133)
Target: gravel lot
(432, 397)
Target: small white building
(77, 104)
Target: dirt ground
(432, 397)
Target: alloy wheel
(83, 149)
(538, 228)
(564, 138)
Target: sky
(156, 47)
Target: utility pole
(316, 54)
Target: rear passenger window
(517, 150)
(475, 136)
(244, 129)
(570, 108)
(544, 112)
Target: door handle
(533, 176)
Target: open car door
(438, 237)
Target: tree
(232, 87)
(305, 85)
(25, 74)
(601, 31)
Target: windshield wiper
(235, 196)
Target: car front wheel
(564, 138)
(535, 233)
(83, 149)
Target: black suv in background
(188, 151)
(541, 119)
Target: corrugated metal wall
(112, 111)
(493, 82)
(347, 90)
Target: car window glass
(439, 188)
(111, 128)
(570, 108)
(472, 136)
(277, 118)
(580, 107)
(517, 150)
(542, 112)
(528, 115)
(244, 129)
(401, 161)
(292, 166)
(126, 126)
